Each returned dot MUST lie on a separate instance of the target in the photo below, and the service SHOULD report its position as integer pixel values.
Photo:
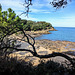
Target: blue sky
(43, 11)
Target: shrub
(14, 67)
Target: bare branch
(44, 56)
(26, 4)
(54, 54)
(31, 38)
(28, 41)
(17, 49)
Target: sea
(62, 34)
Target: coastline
(40, 32)
(58, 46)
(52, 46)
(44, 47)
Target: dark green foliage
(13, 67)
(9, 22)
(34, 26)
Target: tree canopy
(34, 26)
(8, 22)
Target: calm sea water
(62, 34)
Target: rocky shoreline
(40, 32)
(57, 46)
(52, 46)
(44, 47)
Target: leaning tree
(10, 24)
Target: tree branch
(43, 56)
(54, 54)
(29, 41)
(17, 49)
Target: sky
(43, 11)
